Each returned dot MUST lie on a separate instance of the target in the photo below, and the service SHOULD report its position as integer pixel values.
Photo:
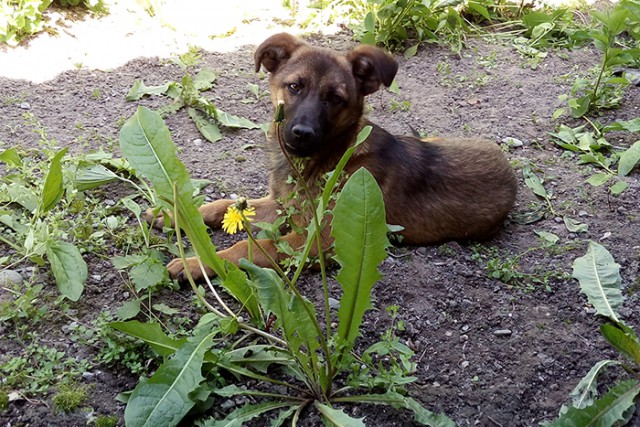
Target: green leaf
(237, 284)
(128, 310)
(574, 226)
(229, 120)
(152, 334)
(600, 280)
(618, 187)
(207, 128)
(629, 159)
(532, 181)
(547, 237)
(598, 179)
(411, 51)
(586, 391)
(139, 89)
(359, 228)
(163, 400)
(146, 142)
(92, 176)
(246, 413)
(421, 414)
(205, 79)
(632, 125)
(11, 157)
(150, 272)
(614, 408)
(53, 189)
(68, 268)
(623, 338)
(337, 417)
(295, 316)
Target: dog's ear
(372, 67)
(276, 50)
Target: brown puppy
(438, 190)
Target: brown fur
(438, 189)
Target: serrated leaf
(586, 391)
(616, 407)
(207, 128)
(139, 89)
(68, 267)
(337, 417)
(548, 237)
(359, 228)
(204, 80)
(11, 157)
(629, 159)
(623, 338)
(532, 181)
(244, 414)
(164, 398)
(599, 277)
(229, 120)
(632, 125)
(53, 189)
(574, 226)
(152, 334)
(148, 273)
(421, 414)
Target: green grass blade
(69, 268)
(360, 231)
(163, 400)
(599, 277)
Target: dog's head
(322, 90)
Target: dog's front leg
(213, 213)
(261, 257)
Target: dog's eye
(294, 88)
(336, 99)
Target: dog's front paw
(156, 219)
(176, 270)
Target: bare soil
(488, 353)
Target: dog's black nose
(303, 132)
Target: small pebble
(10, 278)
(25, 106)
(502, 332)
(334, 303)
(558, 220)
(582, 214)
(197, 142)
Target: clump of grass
(106, 421)
(69, 398)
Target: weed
(316, 355)
(69, 398)
(4, 400)
(205, 115)
(399, 106)
(106, 421)
(96, 94)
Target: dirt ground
(487, 353)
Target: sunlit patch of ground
(128, 32)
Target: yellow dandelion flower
(235, 215)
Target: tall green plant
(314, 359)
